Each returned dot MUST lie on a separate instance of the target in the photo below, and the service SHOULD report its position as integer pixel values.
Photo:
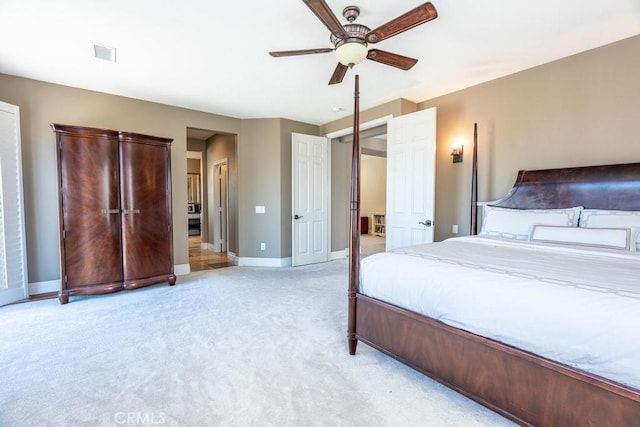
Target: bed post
(354, 242)
(474, 183)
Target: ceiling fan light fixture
(351, 53)
(350, 40)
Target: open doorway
(373, 193)
(373, 185)
(210, 240)
(409, 146)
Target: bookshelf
(378, 224)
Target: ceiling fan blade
(324, 13)
(338, 74)
(421, 14)
(299, 52)
(393, 59)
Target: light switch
(259, 209)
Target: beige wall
(259, 154)
(264, 170)
(340, 194)
(259, 186)
(578, 111)
(43, 103)
(373, 186)
(394, 108)
(193, 166)
(219, 147)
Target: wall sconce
(456, 153)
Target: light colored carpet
(371, 244)
(239, 346)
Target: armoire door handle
(130, 211)
(110, 211)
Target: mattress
(577, 306)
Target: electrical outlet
(454, 228)
(263, 246)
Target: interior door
(310, 199)
(411, 148)
(13, 258)
(146, 202)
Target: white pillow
(517, 224)
(600, 218)
(608, 238)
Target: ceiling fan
(350, 41)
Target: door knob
(426, 223)
(296, 216)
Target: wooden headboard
(593, 187)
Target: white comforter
(575, 306)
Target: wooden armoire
(115, 210)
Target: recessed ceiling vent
(105, 53)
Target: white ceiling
(212, 56)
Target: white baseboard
(211, 247)
(339, 254)
(264, 262)
(47, 286)
(44, 287)
(232, 258)
(36, 288)
(181, 269)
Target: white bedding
(575, 306)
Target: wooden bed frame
(524, 387)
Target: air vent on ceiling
(104, 52)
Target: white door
(411, 150)
(13, 258)
(310, 199)
(220, 206)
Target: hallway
(204, 259)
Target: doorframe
(203, 206)
(223, 161)
(363, 126)
(340, 133)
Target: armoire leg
(63, 298)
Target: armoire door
(90, 233)
(146, 209)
